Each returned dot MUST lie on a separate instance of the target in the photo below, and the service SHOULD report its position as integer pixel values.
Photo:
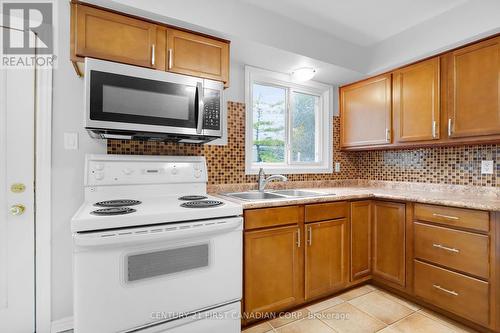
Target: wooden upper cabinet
(197, 55)
(272, 269)
(473, 90)
(389, 241)
(416, 101)
(360, 239)
(326, 258)
(365, 113)
(105, 35)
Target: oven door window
(166, 262)
(125, 99)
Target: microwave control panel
(212, 109)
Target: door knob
(17, 209)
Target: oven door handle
(166, 232)
(201, 107)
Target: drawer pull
(449, 217)
(451, 292)
(439, 246)
(153, 54)
(310, 236)
(298, 237)
(170, 58)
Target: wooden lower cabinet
(326, 257)
(361, 216)
(457, 293)
(389, 241)
(272, 269)
(441, 256)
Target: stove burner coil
(117, 203)
(113, 211)
(201, 204)
(193, 197)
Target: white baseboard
(61, 325)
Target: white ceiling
(360, 21)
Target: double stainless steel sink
(278, 194)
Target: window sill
(290, 171)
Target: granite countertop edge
(474, 201)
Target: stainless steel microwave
(129, 102)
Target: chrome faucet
(263, 180)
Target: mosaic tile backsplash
(443, 165)
(226, 164)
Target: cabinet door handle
(298, 237)
(387, 135)
(170, 58)
(434, 134)
(153, 54)
(450, 123)
(442, 247)
(451, 292)
(310, 236)
(449, 217)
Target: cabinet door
(326, 259)
(365, 112)
(416, 102)
(196, 55)
(272, 272)
(389, 241)
(104, 35)
(360, 239)
(473, 92)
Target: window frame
(324, 140)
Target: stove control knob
(174, 171)
(99, 166)
(197, 174)
(99, 175)
(127, 172)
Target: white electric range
(152, 251)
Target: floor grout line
(385, 294)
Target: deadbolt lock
(17, 188)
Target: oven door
(134, 278)
(129, 98)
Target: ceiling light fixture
(303, 74)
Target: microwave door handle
(201, 107)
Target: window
(289, 125)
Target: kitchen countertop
(464, 197)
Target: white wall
(67, 173)
(236, 90)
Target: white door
(17, 287)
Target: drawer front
(457, 217)
(326, 211)
(272, 217)
(460, 250)
(457, 293)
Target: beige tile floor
(364, 309)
